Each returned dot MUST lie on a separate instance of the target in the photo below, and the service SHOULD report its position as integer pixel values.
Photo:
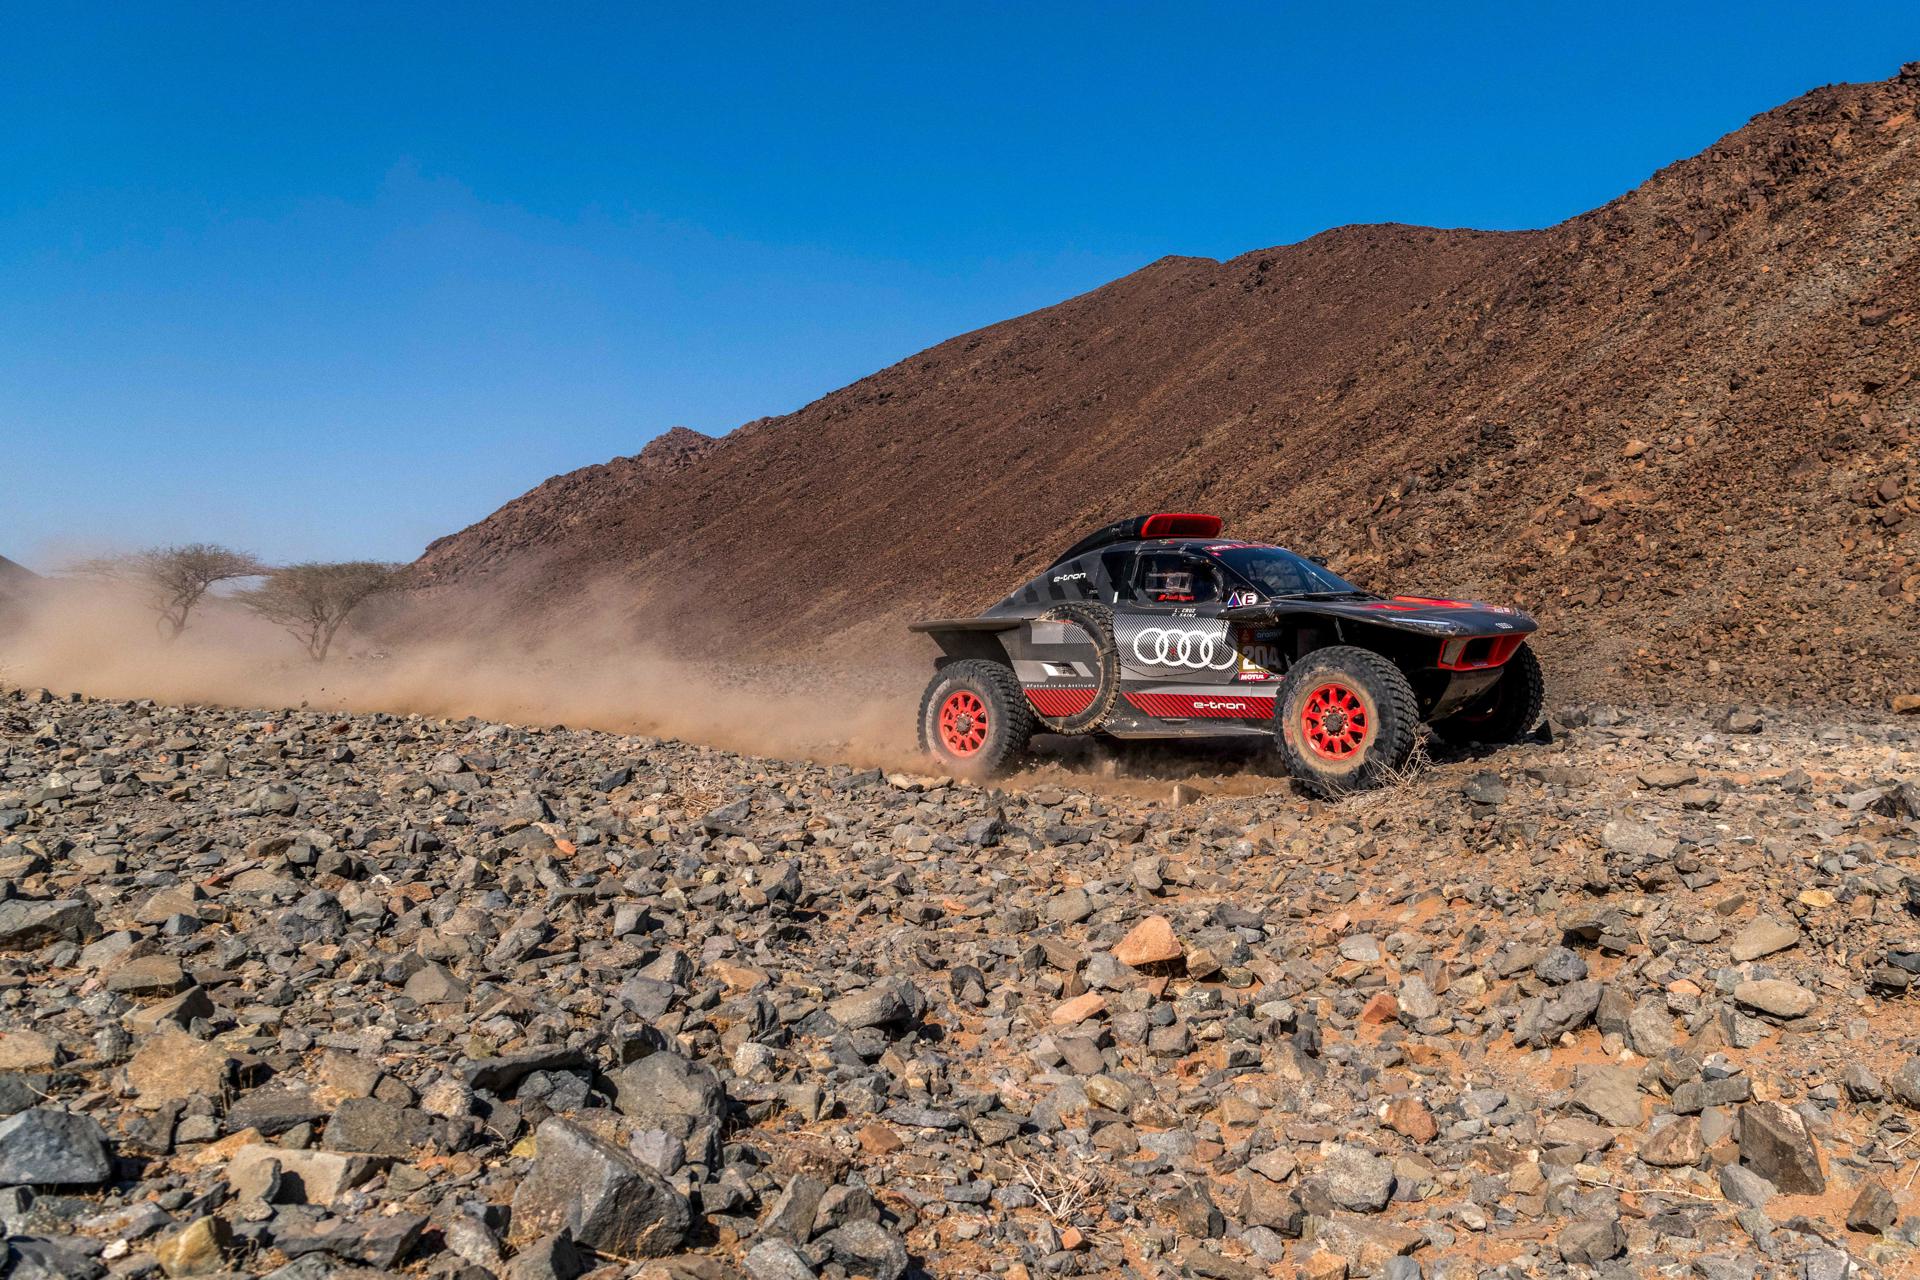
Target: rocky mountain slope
(16, 582)
(306, 995)
(1681, 427)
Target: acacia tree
(175, 579)
(311, 601)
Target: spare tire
(1097, 621)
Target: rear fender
(1052, 655)
(957, 645)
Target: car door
(1168, 628)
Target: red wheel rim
(963, 723)
(1334, 722)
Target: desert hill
(1680, 427)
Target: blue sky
(331, 280)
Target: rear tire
(1347, 719)
(1097, 621)
(974, 719)
(1503, 714)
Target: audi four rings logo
(1201, 650)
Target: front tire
(974, 719)
(1504, 714)
(1347, 720)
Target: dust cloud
(600, 672)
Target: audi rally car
(1158, 627)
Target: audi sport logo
(1171, 647)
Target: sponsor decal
(1165, 596)
(1259, 661)
(1239, 598)
(1069, 577)
(1175, 647)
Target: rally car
(1158, 627)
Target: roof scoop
(1161, 524)
(1179, 524)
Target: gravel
(303, 994)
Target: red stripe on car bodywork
(1203, 706)
(1060, 702)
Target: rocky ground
(304, 995)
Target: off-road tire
(1097, 621)
(1505, 713)
(1326, 746)
(988, 711)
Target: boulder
(606, 1199)
(46, 1146)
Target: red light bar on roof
(1180, 524)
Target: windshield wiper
(1353, 594)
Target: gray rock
(1676, 1143)
(26, 922)
(1780, 998)
(472, 1238)
(551, 1257)
(31, 1258)
(1070, 907)
(1873, 1210)
(1357, 1179)
(434, 983)
(1543, 1020)
(373, 1127)
(1485, 788)
(609, 1201)
(1696, 1096)
(1862, 1084)
(1591, 1240)
(1775, 1144)
(1905, 1084)
(1417, 999)
(1559, 966)
(46, 1146)
(777, 1260)
(666, 1091)
(1762, 936)
(1650, 1029)
(1611, 1093)
(887, 1005)
(791, 1217)
(1636, 839)
(1822, 1263)
(866, 1248)
(274, 1109)
(1742, 1186)
(378, 1241)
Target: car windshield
(1278, 572)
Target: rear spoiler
(966, 624)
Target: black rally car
(1158, 627)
